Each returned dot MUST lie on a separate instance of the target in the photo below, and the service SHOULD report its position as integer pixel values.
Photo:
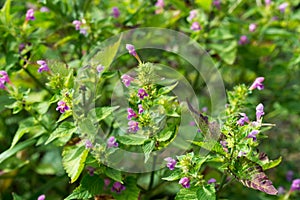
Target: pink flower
(252, 27)
(43, 66)
(41, 197)
(112, 142)
(243, 40)
(44, 9)
(259, 111)
(193, 14)
(88, 144)
(212, 180)
(100, 68)
(185, 182)
(126, 79)
(142, 93)
(62, 106)
(133, 126)
(253, 134)
(195, 26)
(118, 187)
(90, 170)
(131, 113)
(141, 110)
(30, 15)
(4, 77)
(159, 6)
(257, 84)
(268, 2)
(283, 6)
(243, 119)
(217, 4)
(171, 163)
(295, 185)
(106, 182)
(77, 24)
(115, 12)
(131, 49)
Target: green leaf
(167, 89)
(114, 174)
(165, 134)
(73, 161)
(148, 148)
(106, 56)
(5, 11)
(79, 193)
(24, 127)
(64, 116)
(205, 4)
(131, 192)
(102, 112)
(187, 194)
(227, 50)
(64, 132)
(211, 146)
(87, 127)
(16, 197)
(174, 176)
(207, 192)
(272, 163)
(22, 145)
(132, 139)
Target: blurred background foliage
(271, 51)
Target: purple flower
(43, 66)
(283, 6)
(126, 79)
(62, 106)
(268, 2)
(41, 197)
(195, 26)
(44, 9)
(185, 182)
(217, 4)
(193, 14)
(88, 144)
(133, 126)
(171, 163)
(142, 93)
(252, 27)
(30, 15)
(118, 187)
(295, 185)
(281, 190)
(77, 24)
(131, 49)
(243, 119)
(4, 77)
(131, 113)
(112, 142)
(159, 6)
(212, 180)
(257, 84)
(90, 170)
(252, 135)
(2, 86)
(259, 111)
(100, 68)
(241, 153)
(289, 175)
(115, 12)
(141, 110)
(83, 31)
(243, 40)
(224, 145)
(204, 109)
(106, 181)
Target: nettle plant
(94, 136)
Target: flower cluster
(79, 26)
(112, 142)
(62, 106)
(118, 187)
(195, 26)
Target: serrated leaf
(148, 148)
(165, 135)
(132, 139)
(79, 193)
(58, 68)
(114, 174)
(187, 194)
(207, 192)
(251, 175)
(65, 115)
(174, 176)
(64, 132)
(73, 158)
(86, 126)
(167, 89)
(211, 145)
